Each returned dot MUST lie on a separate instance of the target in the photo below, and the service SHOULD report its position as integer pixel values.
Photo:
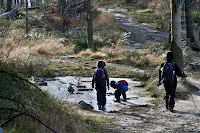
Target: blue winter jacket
(122, 86)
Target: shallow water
(59, 88)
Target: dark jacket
(177, 70)
(106, 79)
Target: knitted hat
(113, 84)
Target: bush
(80, 45)
(133, 54)
(196, 17)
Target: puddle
(59, 89)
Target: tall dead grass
(115, 51)
(105, 19)
(51, 47)
(159, 4)
(90, 54)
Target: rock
(41, 83)
(137, 45)
(141, 85)
(85, 105)
(50, 79)
(71, 57)
(194, 66)
(81, 86)
(70, 89)
(113, 111)
(79, 93)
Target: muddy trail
(152, 119)
(155, 118)
(136, 119)
(136, 35)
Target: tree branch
(23, 79)
(2, 97)
(23, 113)
(11, 119)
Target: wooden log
(84, 89)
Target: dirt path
(150, 119)
(157, 119)
(136, 35)
(153, 119)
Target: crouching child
(121, 87)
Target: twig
(22, 79)
(12, 109)
(2, 97)
(23, 113)
(11, 119)
(190, 92)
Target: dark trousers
(101, 96)
(118, 93)
(170, 89)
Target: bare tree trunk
(38, 2)
(189, 27)
(90, 26)
(62, 6)
(9, 5)
(22, 2)
(26, 16)
(2, 3)
(32, 3)
(176, 44)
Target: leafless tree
(2, 3)
(176, 44)
(189, 27)
(9, 5)
(26, 16)
(90, 26)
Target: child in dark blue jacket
(121, 87)
(99, 81)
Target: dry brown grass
(56, 20)
(135, 58)
(51, 47)
(90, 54)
(145, 11)
(98, 55)
(63, 119)
(18, 24)
(105, 19)
(115, 51)
(10, 43)
(159, 4)
(85, 53)
(15, 36)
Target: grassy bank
(25, 108)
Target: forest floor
(150, 119)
